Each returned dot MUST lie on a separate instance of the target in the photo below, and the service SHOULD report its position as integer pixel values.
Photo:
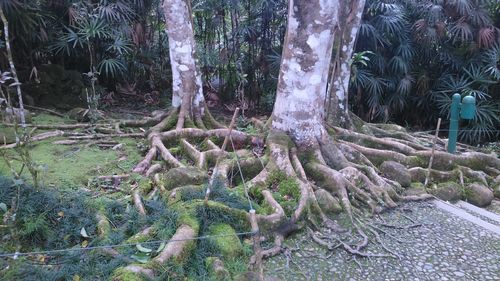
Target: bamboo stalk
(13, 67)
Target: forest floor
(441, 247)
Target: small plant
(93, 97)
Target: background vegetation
(420, 53)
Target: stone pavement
(445, 247)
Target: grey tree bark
(350, 14)
(299, 108)
(187, 84)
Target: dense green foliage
(419, 53)
(51, 219)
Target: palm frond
(120, 46)
(399, 65)
(423, 84)
(405, 50)
(405, 85)
(111, 67)
(487, 112)
(374, 88)
(464, 7)
(461, 31)
(435, 13)
(94, 28)
(360, 78)
(390, 22)
(491, 59)
(382, 7)
(478, 74)
(479, 17)
(475, 132)
(368, 32)
(486, 37)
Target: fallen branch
(44, 109)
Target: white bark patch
(315, 79)
(292, 21)
(183, 48)
(340, 95)
(183, 67)
(313, 41)
(327, 7)
(354, 34)
(176, 101)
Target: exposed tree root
(184, 153)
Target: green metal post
(454, 115)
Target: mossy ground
(285, 190)
(73, 165)
(70, 197)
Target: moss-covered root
(380, 150)
(168, 121)
(216, 268)
(181, 242)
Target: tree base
(186, 157)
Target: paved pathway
(445, 247)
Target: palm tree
(424, 52)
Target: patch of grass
(52, 218)
(219, 193)
(49, 119)
(48, 217)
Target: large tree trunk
(343, 170)
(350, 14)
(187, 84)
(299, 108)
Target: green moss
(188, 123)
(417, 185)
(184, 176)
(49, 119)
(144, 185)
(170, 122)
(289, 187)
(285, 190)
(496, 191)
(7, 134)
(391, 127)
(448, 191)
(211, 263)
(358, 123)
(239, 265)
(466, 193)
(72, 166)
(417, 161)
(141, 237)
(175, 150)
(280, 138)
(122, 274)
(226, 240)
(187, 217)
(215, 140)
(416, 188)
